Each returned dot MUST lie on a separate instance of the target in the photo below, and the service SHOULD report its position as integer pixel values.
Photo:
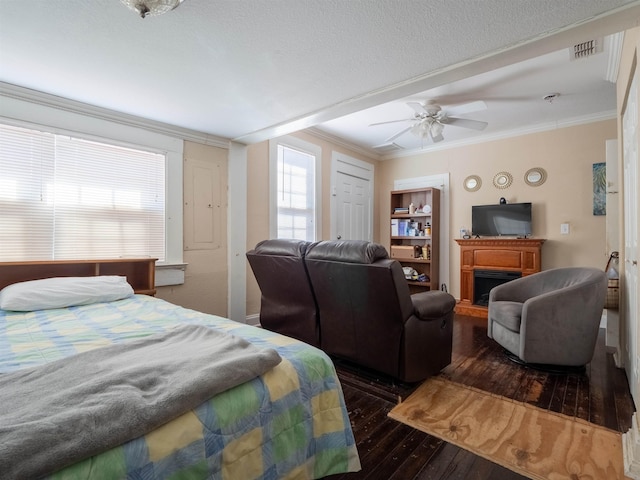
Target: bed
(289, 422)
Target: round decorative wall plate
(535, 176)
(472, 183)
(502, 180)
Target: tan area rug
(526, 439)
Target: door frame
(630, 310)
(341, 163)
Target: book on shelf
(401, 210)
(394, 228)
(403, 228)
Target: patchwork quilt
(290, 422)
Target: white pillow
(61, 292)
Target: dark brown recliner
(287, 304)
(368, 316)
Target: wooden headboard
(140, 272)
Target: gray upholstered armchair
(551, 317)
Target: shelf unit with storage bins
(403, 247)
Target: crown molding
(614, 49)
(73, 106)
(45, 99)
(542, 127)
(368, 152)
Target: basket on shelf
(612, 300)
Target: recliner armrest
(433, 304)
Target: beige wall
(567, 154)
(205, 287)
(258, 200)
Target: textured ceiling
(251, 69)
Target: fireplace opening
(485, 280)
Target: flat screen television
(510, 219)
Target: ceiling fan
(430, 119)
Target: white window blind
(68, 198)
(296, 194)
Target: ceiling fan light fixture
(420, 129)
(436, 129)
(429, 120)
(432, 108)
(151, 7)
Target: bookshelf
(415, 234)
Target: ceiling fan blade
(465, 123)
(392, 121)
(466, 108)
(417, 107)
(401, 132)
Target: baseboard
(618, 359)
(631, 449)
(253, 320)
(612, 335)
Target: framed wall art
(599, 189)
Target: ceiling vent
(387, 147)
(586, 49)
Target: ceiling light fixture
(421, 129)
(428, 127)
(151, 7)
(436, 129)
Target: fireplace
(485, 280)
(519, 255)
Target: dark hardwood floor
(391, 450)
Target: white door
(630, 292)
(351, 201)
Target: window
(68, 198)
(295, 189)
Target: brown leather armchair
(287, 305)
(368, 316)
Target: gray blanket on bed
(62, 412)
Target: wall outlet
(564, 229)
